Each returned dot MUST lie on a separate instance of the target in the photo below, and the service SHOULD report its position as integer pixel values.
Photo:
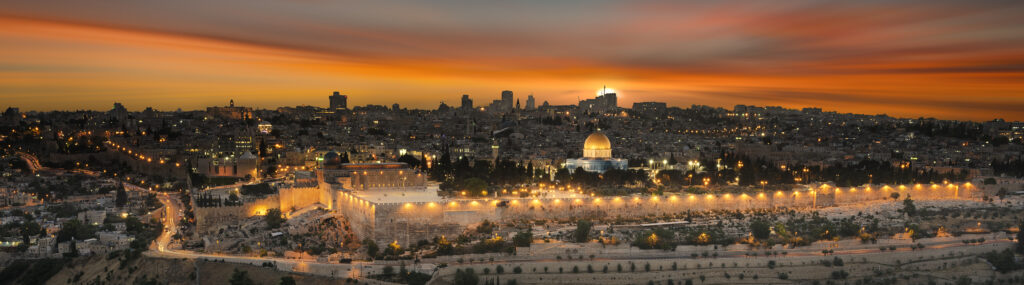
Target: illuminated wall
(360, 213)
(409, 222)
(211, 218)
(287, 200)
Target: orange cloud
(949, 61)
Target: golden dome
(597, 141)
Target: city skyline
(512, 142)
(945, 60)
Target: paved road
(32, 161)
(173, 208)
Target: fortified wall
(390, 202)
(287, 199)
(410, 222)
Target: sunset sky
(943, 59)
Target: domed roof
(597, 141)
(332, 158)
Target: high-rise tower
(338, 101)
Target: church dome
(597, 146)
(597, 141)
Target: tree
(371, 247)
(466, 277)
(1004, 261)
(761, 229)
(77, 230)
(393, 249)
(28, 229)
(485, 227)
(287, 280)
(122, 196)
(582, 233)
(73, 249)
(908, 207)
(274, 218)
(240, 278)
(474, 185)
(523, 239)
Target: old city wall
(213, 217)
(360, 213)
(148, 167)
(409, 222)
(393, 220)
(639, 206)
(300, 197)
(287, 199)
